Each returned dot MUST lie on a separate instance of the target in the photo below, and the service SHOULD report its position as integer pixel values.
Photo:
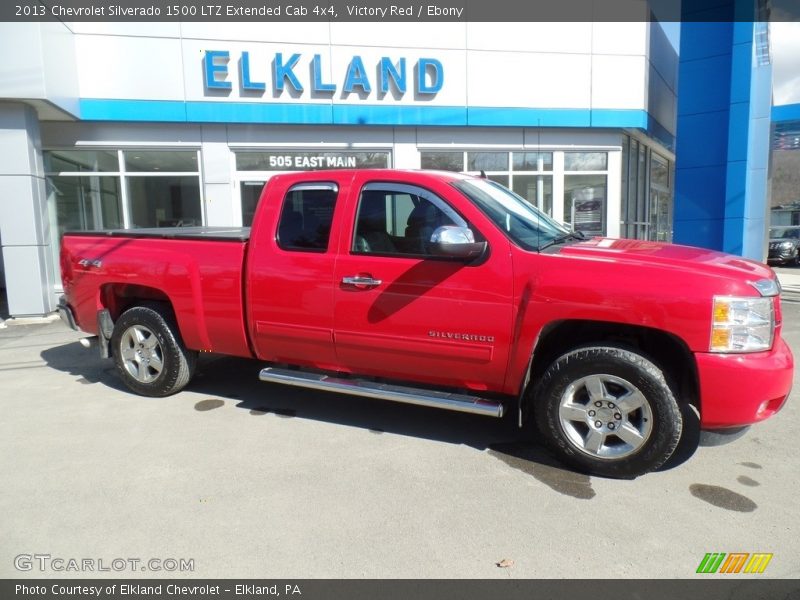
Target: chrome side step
(383, 391)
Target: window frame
(308, 185)
(416, 190)
(123, 174)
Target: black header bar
(735, 586)
(399, 10)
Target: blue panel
(663, 57)
(758, 149)
(529, 117)
(753, 238)
(658, 132)
(741, 72)
(743, 31)
(608, 117)
(735, 189)
(255, 112)
(786, 112)
(704, 85)
(733, 236)
(761, 90)
(92, 109)
(704, 233)
(702, 140)
(702, 40)
(735, 138)
(757, 183)
(698, 193)
(738, 131)
(372, 114)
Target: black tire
(162, 364)
(589, 436)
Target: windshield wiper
(560, 239)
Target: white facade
(578, 97)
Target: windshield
(526, 225)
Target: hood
(684, 258)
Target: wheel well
(668, 352)
(119, 297)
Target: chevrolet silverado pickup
(449, 291)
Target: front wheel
(149, 353)
(608, 411)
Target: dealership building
(127, 125)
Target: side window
(399, 219)
(306, 217)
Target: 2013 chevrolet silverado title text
(450, 291)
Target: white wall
(530, 65)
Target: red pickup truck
(449, 291)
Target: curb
(43, 320)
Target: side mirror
(456, 242)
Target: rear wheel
(608, 411)
(149, 353)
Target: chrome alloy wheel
(141, 353)
(605, 416)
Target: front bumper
(66, 314)
(741, 389)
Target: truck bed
(198, 270)
(218, 234)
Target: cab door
(403, 313)
(290, 271)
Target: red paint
(410, 327)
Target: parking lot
(256, 480)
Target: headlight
(742, 324)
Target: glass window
(306, 217)
(532, 161)
(310, 161)
(585, 203)
(442, 161)
(84, 203)
(641, 196)
(585, 161)
(165, 201)
(625, 154)
(56, 161)
(166, 161)
(251, 192)
(659, 171)
(660, 201)
(524, 224)
(400, 219)
(487, 161)
(501, 179)
(536, 189)
(81, 204)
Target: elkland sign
(295, 74)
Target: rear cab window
(306, 217)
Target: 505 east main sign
(425, 77)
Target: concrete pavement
(255, 480)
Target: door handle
(362, 282)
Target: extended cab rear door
(290, 269)
(400, 311)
